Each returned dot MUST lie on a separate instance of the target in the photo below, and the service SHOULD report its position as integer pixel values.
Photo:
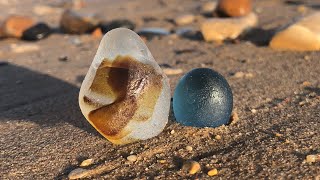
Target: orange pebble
(14, 26)
(234, 8)
(97, 33)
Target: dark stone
(63, 58)
(36, 32)
(107, 26)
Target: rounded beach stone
(14, 25)
(234, 8)
(125, 95)
(202, 98)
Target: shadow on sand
(31, 96)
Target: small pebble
(278, 135)
(217, 137)
(189, 148)
(152, 32)
(302, 9)
(73, 22)
(162, 161)
(234, 8)
(132, 158)
(172, 71)
(86, 162)
(172, 131)
(241, 74)
(253, 111)
(36, 32)
(312, 158)
(307, 57)
(209, 7)
(63, 58)
(77, 173)
(97, 33)
(306, 83)
(213, 172)
(14, 25)
(192, 167)
(219, 29)
(184, 19)
(234, 117)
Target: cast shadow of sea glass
(27, 95)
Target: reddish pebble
(97, 33)
(14, 25)
(234, 8)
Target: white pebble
(86, 162)
(132, 158)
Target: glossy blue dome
(202, 98)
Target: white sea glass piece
(125, 95)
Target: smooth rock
(202, 98)
(184, 19)
(125, 95)
(217, 137)
(78, 23)
(172, 71)
(124, 23)
(78, 173)
(219, 29)
(86, 162)
(192, 167)
(152, 32)
(15, 25)
(209, 7)
(36, 32)
(213, 172)
(312, 158)
(234, 8)
(303, 35)
(132, 158)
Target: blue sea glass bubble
(202, 98)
